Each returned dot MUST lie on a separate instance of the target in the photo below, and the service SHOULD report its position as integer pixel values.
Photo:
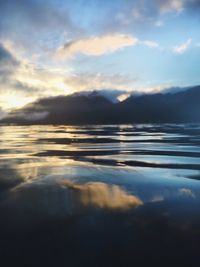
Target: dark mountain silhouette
(182, 106)
(178, 107)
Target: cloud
(36, 27)
(2, 114)
(5, 55)
(96, 46)
(94, 81)
(113, 95)
(32, 14)
(22, 82)
(31, 116)
(159, 23)
(137, 13)
(183, 47)
(143, 14)
(186, 192)
(157, 198)
(151, 44)
(101, 195)
(192, 6)
(8, 63)
(123, 97)
(170, 6)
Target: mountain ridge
(163, 107)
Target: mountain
(74, 108)
(167, 107)
(183, 106)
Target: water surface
(100, 195)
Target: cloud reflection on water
(74, 206)
(101, 195)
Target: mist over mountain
(173, 106)
(110, 94)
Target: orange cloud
(96, 46)
(101, 195)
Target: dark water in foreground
(100, 196)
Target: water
(96, 195)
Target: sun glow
(12, 101)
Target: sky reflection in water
(89, 195)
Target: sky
(58, 47)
